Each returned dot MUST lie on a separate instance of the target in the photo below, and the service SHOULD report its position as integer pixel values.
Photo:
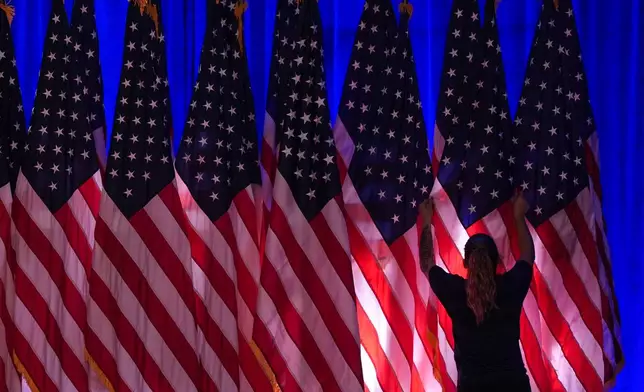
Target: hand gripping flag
(383, 144)
(473, 157)
(557, 167)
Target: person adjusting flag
(474, 158)
(306, 324)
(454, 102)
(56, 201)
(12, 131)
(141, 331)
(557, 169)
(218, 180)
(383, 144)
(84, 26)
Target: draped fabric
(612, 39)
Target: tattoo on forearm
(426, 250)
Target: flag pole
(265, 367)
(406, 7)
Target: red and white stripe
(53, 258)
(306, 311)
(613, 353)
(562, 328)
(141, 333)
(225, 271)
(9, 378)
(395, 306)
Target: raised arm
(427, 260)
(526, 246)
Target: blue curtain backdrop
(612, 38)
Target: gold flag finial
(9, 10)
(141, 4)
(406, 7)
(240, 8)
(556, 2)
(146, 6)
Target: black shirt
(488, 352)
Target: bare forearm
(526, 246)
(426, 249)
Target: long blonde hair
(481, 259)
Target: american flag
(84, 26)
(557, 167)
(382, 139)
(218, 179)
(473, 157)
(12, 130)
(54, 208)
(306, 314)
(283, 25)
(12, 117)
(141, 331)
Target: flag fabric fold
(84, 26)
(557, 167)
(12, 116)
(306, 324)
(12, 131)
(9, 377)
(54, 209)
(218, 180)
(274, 111)
(141, 332)
(383, 145)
